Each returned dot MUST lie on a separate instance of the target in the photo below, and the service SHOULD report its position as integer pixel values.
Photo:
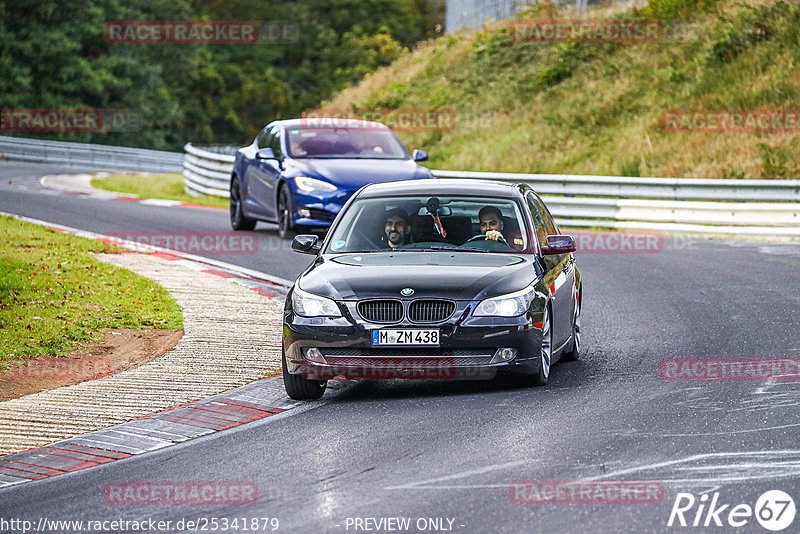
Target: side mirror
(559, 244)
(419, 155)
(306, 244)
(265, 153)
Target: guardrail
(691, 205)
(685, 205)
(207, 171)
(89, 157)
(653, 188)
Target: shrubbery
(53, 55)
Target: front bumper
(315, 208)
(468, 346)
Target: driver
(397, 229)
(491, 222)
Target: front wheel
(298, 387)
(545, 352)
(238, 220)
(285, 223)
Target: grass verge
(55, 296)
(165, 186)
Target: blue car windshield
(350, 142)
(431, 223)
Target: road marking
(741, 466)
(463, 474)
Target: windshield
(414, 223)
(358, 143)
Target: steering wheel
(501, 239)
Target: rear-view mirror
(443, 211)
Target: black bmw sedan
(433, 279)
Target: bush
(677, 9)
(631, 168)
(778, 161)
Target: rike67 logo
(774, 510)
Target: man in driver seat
(491, 222)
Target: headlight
(312, 184)
(309, 305)
(509, 305)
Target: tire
(575, 351)
(298, 387)
(285, 223)
(238, 220)
(542, 374)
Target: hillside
(599, 108)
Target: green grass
(594, 108)
(165, 186)
(55, 296)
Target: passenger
(397, 230)
(491, 222)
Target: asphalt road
(426, 450)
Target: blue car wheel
(238, 220)
(285, 221)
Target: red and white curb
(81, 184)
(165, 203)
(155, 431)
(245, 404)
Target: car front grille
(430, 311)
(419, 311)
(381, 311)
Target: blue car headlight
(308, 305)
(304, 183)
(509, 305)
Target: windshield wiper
(431, 247)
(439, 248)
(474, 249)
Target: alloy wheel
(547, 346)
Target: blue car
(300, 172)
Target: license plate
(386, 337)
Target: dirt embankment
(122, 349)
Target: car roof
(330, 122)
(442, 186)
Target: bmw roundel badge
(407, 292)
